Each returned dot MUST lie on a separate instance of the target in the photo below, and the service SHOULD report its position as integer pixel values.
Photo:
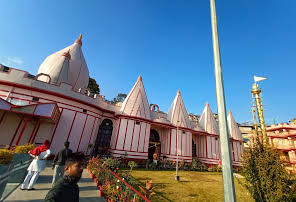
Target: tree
(119, 98)
(93, 86)
(265, 174)
(132, 165)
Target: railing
(114, 185)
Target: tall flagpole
(229, 191)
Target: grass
(194, 186)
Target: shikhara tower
(56, 105)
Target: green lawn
(194, 186)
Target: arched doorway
(154, 144)
(102, 143)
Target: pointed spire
(79, 40)
(136, 102)
(207, 121)
(177, 114)
(234, 131)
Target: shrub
(132, 165)
(6, 156)
(24, 149)
(181, 164)
(194, 164)
(201, 166)
(266, 177)
(111, 163)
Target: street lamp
(228, 184)
(177, 177)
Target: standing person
(59, 162)
(66, 189)
(37, 165)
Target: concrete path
(88, 190)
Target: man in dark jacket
(66, 189)
(59, 162)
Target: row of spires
(136, 104)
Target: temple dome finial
(140, 78)
(79, 40)
(178, 92)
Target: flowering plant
(112, 183)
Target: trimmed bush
(6, 156)
(24, 149)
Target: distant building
(246, 131)
(282, 137)
(56, 105)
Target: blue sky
(169, 43)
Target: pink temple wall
(131, 138)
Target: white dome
(75, 72)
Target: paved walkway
(88, 190)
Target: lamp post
(228, 184)
(177, 177)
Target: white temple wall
(25, 136)
(43, 132)
(8, 128)
(62, 130)
(86, 135)
(236, 149)
(208, 149)
(94, 132)
(201, 146)
(181, 143)
(132, 138)
(114, 133)
(164, 135)
(76, 131)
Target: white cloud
(11, 61)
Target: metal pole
(177, 162)
(229, 190)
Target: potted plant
(6, 157)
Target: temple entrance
(154, 145)
(193, 149)
(102, 143)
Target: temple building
(57, 105)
